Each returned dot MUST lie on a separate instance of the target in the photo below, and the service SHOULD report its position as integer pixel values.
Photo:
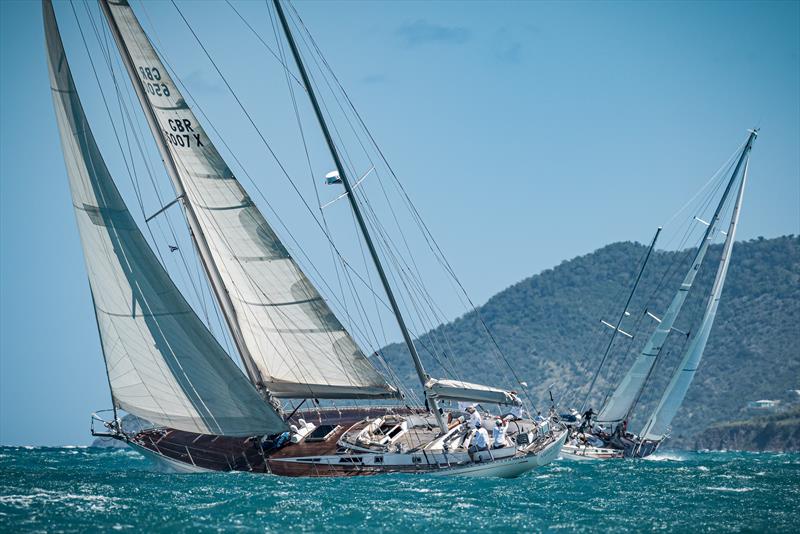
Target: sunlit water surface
(78, 489)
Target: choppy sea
(86, 489)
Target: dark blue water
(74, 489)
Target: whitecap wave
(82, 503)
(666, 457)
(727, 488)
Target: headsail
(290, 334)
(163, 364)
(622, 400)
(673, 396)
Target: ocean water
(81, 489)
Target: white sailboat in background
(165, 365)
(607, 435)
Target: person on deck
(480, 441)
(539, 418)
(587, 420)
(499, 434)
(474, 417)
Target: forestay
(291, 335)
(673, 396)
(466, 391)
(163, 364)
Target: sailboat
(165, 366)
(606, 436)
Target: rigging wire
(670, 271)
(434, 247)
(235, 96)
(128, 121)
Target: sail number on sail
(150, 75)
(182, 134)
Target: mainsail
(671, 400)
(286, 330)
(622, 400)
(467, 391)
(163, 364)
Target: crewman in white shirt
(474, 417)
(499, 434)
(480, 440)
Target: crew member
(499, 434)
(474, 417)
(480, 440)
(587, 420)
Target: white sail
(467, 391)
(290, 334)
(673, 396)
(162, 362)
(619, 405)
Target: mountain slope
(548, 327)
(777, 432)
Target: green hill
(548, 327)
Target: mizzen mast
(621, 317)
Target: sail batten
(162, 362)
(283, 327)
(672, 398)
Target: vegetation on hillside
(548, 327)
(776, 432)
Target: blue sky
(527, 134)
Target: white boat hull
(586, 453)
(511, 467)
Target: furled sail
(671, 400)
(290, 334)
(466, 391)
(624, 396)
(163, 364)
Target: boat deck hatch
(322, 433)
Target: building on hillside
(763, 405)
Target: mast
(621, 317)
(619, 406)
(196, 230)
(423, 376)
(672, 398)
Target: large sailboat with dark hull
(165, 365)
(606, 435)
